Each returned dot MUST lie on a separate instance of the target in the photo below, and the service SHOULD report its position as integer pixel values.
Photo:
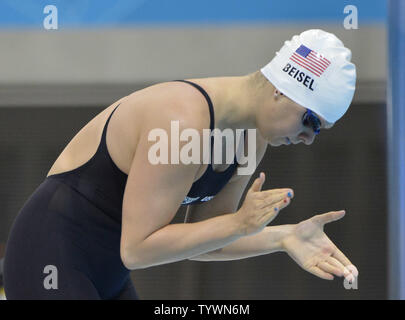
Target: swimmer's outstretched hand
(309, 246)
(261, 207)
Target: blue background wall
(109, 13)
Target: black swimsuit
(71, 224)
(211, 182)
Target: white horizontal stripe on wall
(122, 59)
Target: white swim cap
(314, 70)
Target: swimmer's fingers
(269, 212)
(274, 201)
(273, 192)
(258, 183)
(330, 268)
(331, 216)
(350, 271)
(320, 273)
(342, 269)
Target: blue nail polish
(275, 209)
(289, 194)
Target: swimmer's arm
(150, 204)
(152, 197)
(267, 241)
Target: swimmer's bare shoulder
(154, 193)
(124, 127)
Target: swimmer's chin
(278, 143)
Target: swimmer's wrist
(278, 236)
(238, 226)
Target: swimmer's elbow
(126, 261)
(129, 260)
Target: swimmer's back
(166, 100)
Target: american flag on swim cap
(310, 60)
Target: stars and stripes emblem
(309, 59)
